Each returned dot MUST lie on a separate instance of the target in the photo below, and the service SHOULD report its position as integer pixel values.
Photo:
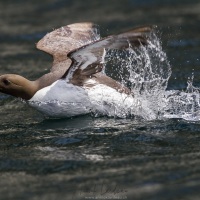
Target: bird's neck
(60, 66)
(46, 80)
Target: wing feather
(88, 60)
(61, 41)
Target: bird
(76, 83)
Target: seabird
(75, 84)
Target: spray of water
(146, 70)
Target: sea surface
(154, 155)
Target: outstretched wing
(61, 41)
(88, 60)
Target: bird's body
(62, 99)
(76, 85)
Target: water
(85, 156)
(147, 71)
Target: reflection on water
(75, 158)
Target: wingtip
(144, 29)
(139, 35)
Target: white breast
(62, 99)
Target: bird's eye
(6, 82)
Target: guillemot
(76, 84)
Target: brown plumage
(87, 60)
(60, 42)
(77, 51)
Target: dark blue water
(86, 157)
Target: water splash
(146, 70)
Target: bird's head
(17, 86)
